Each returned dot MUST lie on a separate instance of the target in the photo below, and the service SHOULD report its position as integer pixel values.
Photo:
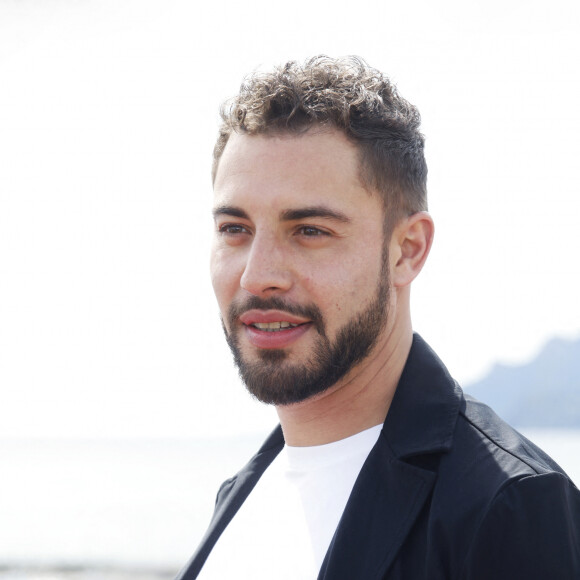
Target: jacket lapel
(391, 489)
(230, 497)
(384, 504)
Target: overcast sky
(108, 114)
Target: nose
(267, 268)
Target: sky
(108, 115)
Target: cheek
(337, 290)
(224, 279)
(354, 276)
(348, 287)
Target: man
(381, 467)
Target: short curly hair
(344, 94)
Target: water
(118, 503)
(138, 506)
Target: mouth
(273, 329)
(273, 326)
(271, 320)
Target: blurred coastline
(86, 509)
(8, 572)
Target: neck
(359, 401)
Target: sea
(131, 509)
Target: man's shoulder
(490, 436)
(488, 457)
(492, 487)
(506, 496)
(473, 433)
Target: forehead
(321, 165)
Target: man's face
(299, 264)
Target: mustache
(311, 311)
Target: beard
(274, 380)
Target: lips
(273, 328)
(251, 317)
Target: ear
(409, 248)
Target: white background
(108, 114)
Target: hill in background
(542, 393)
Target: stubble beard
(274, 380)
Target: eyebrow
(288, 215)
(317, 211)
(230, 210)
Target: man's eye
(232, 229)
(311, 231)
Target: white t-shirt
(286, 524)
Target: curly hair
(344, 94)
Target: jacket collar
(425, 407)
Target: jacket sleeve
(531, 531)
